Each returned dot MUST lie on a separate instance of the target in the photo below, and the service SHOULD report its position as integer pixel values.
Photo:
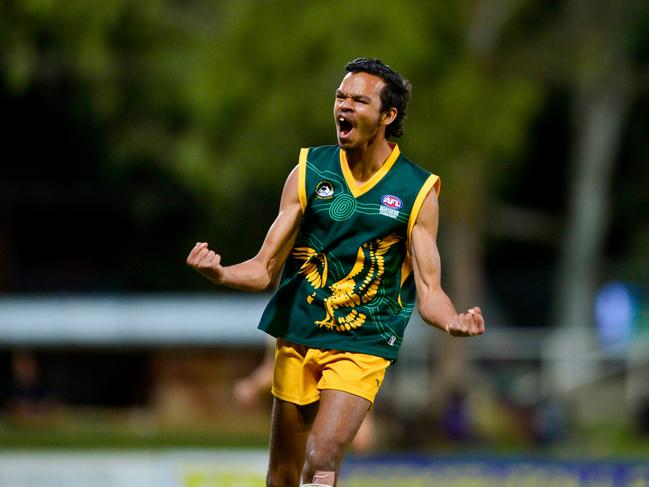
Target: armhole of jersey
(432, 181)
(301, 177)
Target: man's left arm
(433, 304)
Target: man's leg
(290, 427)
(339, 416)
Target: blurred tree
(223, 95)
(476, 117)
(603, 76)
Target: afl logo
(391, 201)
(324, 190)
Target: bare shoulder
(428, 216)
(290, 193)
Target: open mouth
(345, 127)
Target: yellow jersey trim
(432, 181)
(301, 178)
(357, 190)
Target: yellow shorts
(302, 372)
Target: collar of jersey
(373, 181)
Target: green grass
(101, 438)
(99, 429)
(108, 430)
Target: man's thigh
(340, 414)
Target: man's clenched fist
(466, 324)
(206, 261)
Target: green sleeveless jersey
(348, 283)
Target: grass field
(101, 429)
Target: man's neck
(366, 161)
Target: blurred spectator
(255, 386)
(456, 419)
(28, 397)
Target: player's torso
(342, 215)
(348, 276)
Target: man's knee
(323, 458)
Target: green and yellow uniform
(348, 283)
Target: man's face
(357, 110)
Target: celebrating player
(356, 236)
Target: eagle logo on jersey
(359, 286)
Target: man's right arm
(433, 304)
(260, 272)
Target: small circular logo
(324, 190)
(391, 201)
(342, 207)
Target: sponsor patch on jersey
(324, 190)
(391, 201)
(390, 205)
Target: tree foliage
(221, 95)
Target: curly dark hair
(395, 93)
